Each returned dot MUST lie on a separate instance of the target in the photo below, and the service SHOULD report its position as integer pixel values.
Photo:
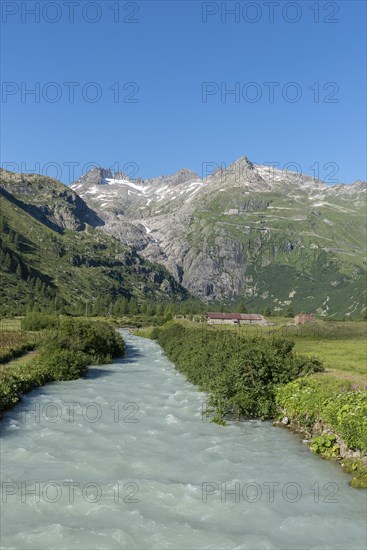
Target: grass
(144, 332)
(341, 345)
(10, 324)
(20, 362)
(15, 343)
(342, 358)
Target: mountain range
(249, 233)
(52, 252)
(245, 234)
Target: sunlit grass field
(342, 345)
(346, 358)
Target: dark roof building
(234, 318)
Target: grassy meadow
(341, 345)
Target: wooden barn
(234, 318)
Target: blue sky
(180, 58)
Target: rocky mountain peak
(244, 162)
(241, 173)
(360, 184)
(119, 176)
(49, 201)
(184, 176)
(95, 176)
(240, 166)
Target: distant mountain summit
(245, 232)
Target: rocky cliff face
(51, 252)
(49, 201)
(249, 232)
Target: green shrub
(38, 321)
(20, 379)
(346, 412)
(64, 354)
(97, 339)
(64, 364)
(240, 373)
(8, 390)
(359, 470)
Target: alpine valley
(246, 234)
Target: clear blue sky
(169, 53)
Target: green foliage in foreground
(326, 445)
(332, 401)
(240, 373)
(64, 353)
(359, 469)
(63, 364)
(339, 406)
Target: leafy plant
(325, 445)
(333, 401)
(359, 470)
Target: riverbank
(63, 353)
(331, 414)
(148, 472)
(330, 411)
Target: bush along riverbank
(263, 378)
(331, 414)
(240, 373)
(64, 353)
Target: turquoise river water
(124, 459)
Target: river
(123, 459)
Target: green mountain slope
(277, 250)
(249, 233)
(50, 253)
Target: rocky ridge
(251, 232)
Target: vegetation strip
(64, 352)
(332, 414)
(257, 377)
